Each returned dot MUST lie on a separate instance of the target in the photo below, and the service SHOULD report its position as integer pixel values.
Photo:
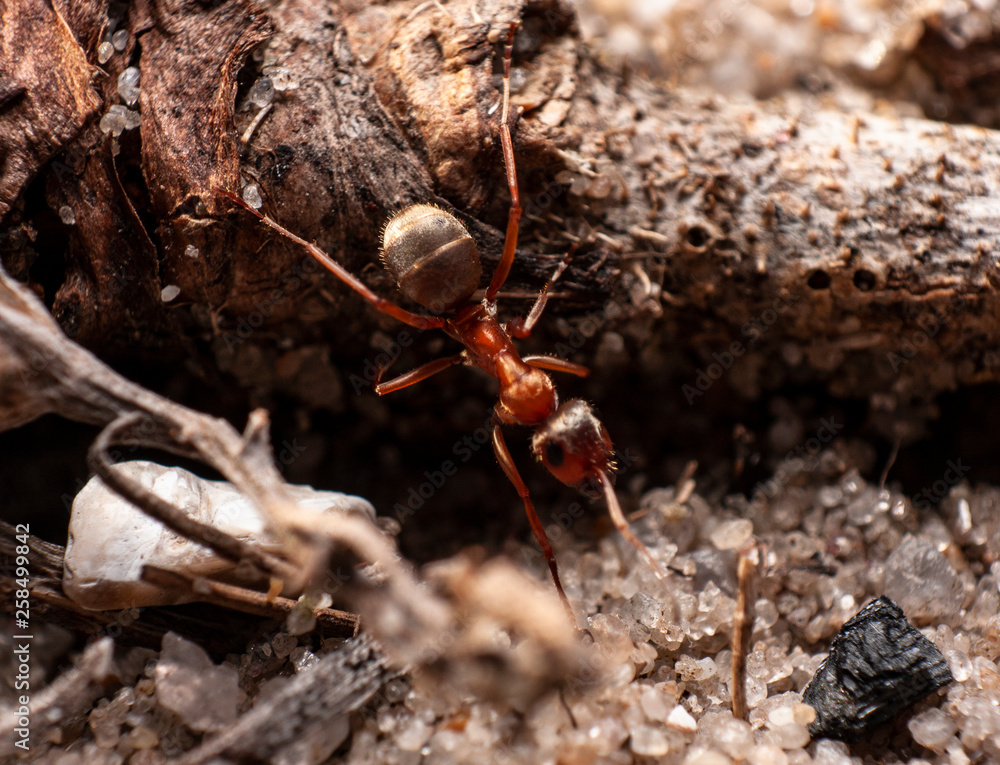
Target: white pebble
(680, 719)
(128, 85)
(301, 619)
(251, 195)
(804, 714)
(765, 754)
(191, 251)
(202, 694)
(708, 668)
(932, 729)
(647, 741)
(114, 120)
(956, 754)
(412, 735)
(280, 77)
(143, 738)
(959, 664)
(169, 292)
(830, 752)
(732, 534)
(104, 52)
(262, 92)
(792, 736)
(120, 39)
(654, 704)
(110, 540)
(767, 614)
(302, 658)
(756, 690)
(67, 215)
(780, 716)
(732, 736)
(132, 119)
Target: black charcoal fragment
(878, 666)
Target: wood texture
(881, 235)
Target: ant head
(431, 256)
(574, 445)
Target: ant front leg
(416, 375)
(507, 463)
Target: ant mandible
(435, 262)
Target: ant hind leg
(385, 306)
(514, 216)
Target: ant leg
(615, 510)
(555, 364)
(507, 463)
(514, 216)
(383, 305)
(521, 328)
(416, 375)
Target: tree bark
(879, 235)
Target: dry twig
(71, 382)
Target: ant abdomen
(432, 257)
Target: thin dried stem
(746, 574)
(332, 623)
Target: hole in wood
(698, 237)
(864, 280)
(819, 280)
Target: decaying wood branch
(339, 683)
(869, 228)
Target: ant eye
(554, 454)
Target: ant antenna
(615, 511)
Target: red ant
(435, 262)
